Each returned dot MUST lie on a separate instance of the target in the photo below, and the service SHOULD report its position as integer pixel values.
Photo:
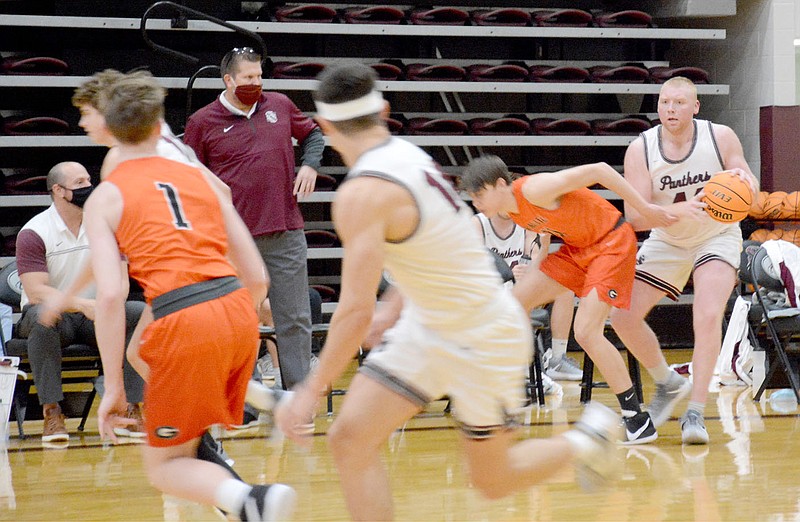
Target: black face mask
(80, 195)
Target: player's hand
(295, 411)
(659, 216)
(519, 270)
(305, 182)
(111, 414)
(742, 174)
(380, 323)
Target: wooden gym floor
(748, 472)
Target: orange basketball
(757, 210)
(760, 235)
(792, 236)
(728, 197)
(773, 205)
(775, 234)
(791, 205)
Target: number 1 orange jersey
(171, 228)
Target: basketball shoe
(639, 429)
(594, 438)
(274, 502)
(564, 369)
(667, 397)
(135, 430)
(693, 429)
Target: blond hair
(88, 93)
(133, 106)
(680, 81)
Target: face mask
(80, 195)
(248, 94)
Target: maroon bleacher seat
(561, 18)
(560, 127)
(629, 18)
(439, 16)
(396, 123)
(382, 14)
(436, 126)
(662, 74)
(21, 185)
(310, 13)
(325, 183)
(507, 126)
(327, 293)
(558, 74)
(628, 126)
(297, 70)
(435, 73)
(505, 16)
(387, 71)
(38, 65)
(35, 126)
(497, 73)
(621, 74)
(321, 239)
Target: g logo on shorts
(167, 432)
(612, 294)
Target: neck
(72, 216)
(358, 144)
(143, 149)
(680, 135)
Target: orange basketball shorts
(608, 266)
(200, 359)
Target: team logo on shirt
(167, 432)
(612, 294)
(271, 116)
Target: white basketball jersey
(443, 271)
(680, 180)
(510, 248)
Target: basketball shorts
(482, 369)
(608, 266)
(200, 359)
(667, 267)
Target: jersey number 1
(175, 206)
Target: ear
(696, 107)
(387, 109)
(325, 125)
(228, 81)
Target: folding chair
(780, 329)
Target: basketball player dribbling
(202, 276)
(669, 165)
(596, 260)
(396, 211)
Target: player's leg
(536, 289)
(589, 328)
(371, 412)
(559, 365)
(498, 466)
(632, 329)
(713, 283)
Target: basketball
(775, 234)
(792, 236)
(757, 210)
(760, 235)
(773, 205)
(728, 197)
(791, 206)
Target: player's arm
(545, 189)
(242, 250)
(101, 215)
(110, 162)
(478, 226)
(638, 176)
(537, 246)
(730, 148)
(387, 312)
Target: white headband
(371, 103)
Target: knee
(346, 441)
(587, 334)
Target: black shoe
(639, 429)
(272, 503)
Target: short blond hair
(133, 106)
(681, 81)
(88, 93)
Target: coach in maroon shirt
(245, 138)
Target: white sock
(559, 347)
(230, 495)
(661, 373)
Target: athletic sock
(559, 348)
(629, 402)
(230, 495)
(660, 373)
(699, 407)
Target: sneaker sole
(641, 440)
(695, 439)
(56, 437)
(122, 432)
(559, 376)
(666, 413)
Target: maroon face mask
(248, 94)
